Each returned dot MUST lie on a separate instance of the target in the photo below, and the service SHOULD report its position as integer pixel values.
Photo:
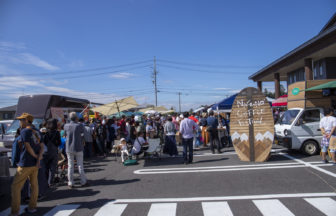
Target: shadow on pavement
(111, 182)
(212, 160)
(163, 162)
(83, 206)
(67, 193)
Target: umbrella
(157, 109)
(117, 106)
(331, 84)
(138, 113)
(151, 112)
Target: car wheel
(310, 148)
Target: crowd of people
(38, 152)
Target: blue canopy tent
(225, 105)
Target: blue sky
(103, 50)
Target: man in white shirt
(187, 129)
(327, 126)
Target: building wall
(309, 98)
(7, 115)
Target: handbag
(332, 143)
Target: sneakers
(30, 211)
(325, 161)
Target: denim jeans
(187, 147)
(71, 167)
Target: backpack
(16, 151)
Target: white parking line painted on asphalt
(162, 209)
(62, 210)
(309, 165)
(216, 209)
(325, 205)
(8, 211)
(272, 207)
(222, 168)
(111, 209)
(226, 198)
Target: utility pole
(154, 81)
(179, 94)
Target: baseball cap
(181, 116)
(122, 139)
(27, 116)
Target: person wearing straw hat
(31, 151)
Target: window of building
(319, 69)
(296, 76)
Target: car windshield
(288, 117)
(16, 124)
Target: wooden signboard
(252, 125)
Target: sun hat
(27, 116)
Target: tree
(272, 94)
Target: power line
(87, 75)
(86, 70)
(203, 70)
(206, 65)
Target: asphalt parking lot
(287, 184)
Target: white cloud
(76, 64)
(221, 88)
(235, 91)
(7, 45)
(122, 75)
(19, 82)
(28, 58)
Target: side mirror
(299, 122)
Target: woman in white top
(327, 126)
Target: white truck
(299, 129)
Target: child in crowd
(123, 149)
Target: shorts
(325, 149)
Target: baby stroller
(62, 165)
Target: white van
(299, 129)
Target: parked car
(300, 129)
(4, 124)
(41, 106)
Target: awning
(224, 104)
(331, 84)
(117, 106)
(280, 102)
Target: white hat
(122, 139)
(136, 118)
(181, 116)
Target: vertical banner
(252, 125)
